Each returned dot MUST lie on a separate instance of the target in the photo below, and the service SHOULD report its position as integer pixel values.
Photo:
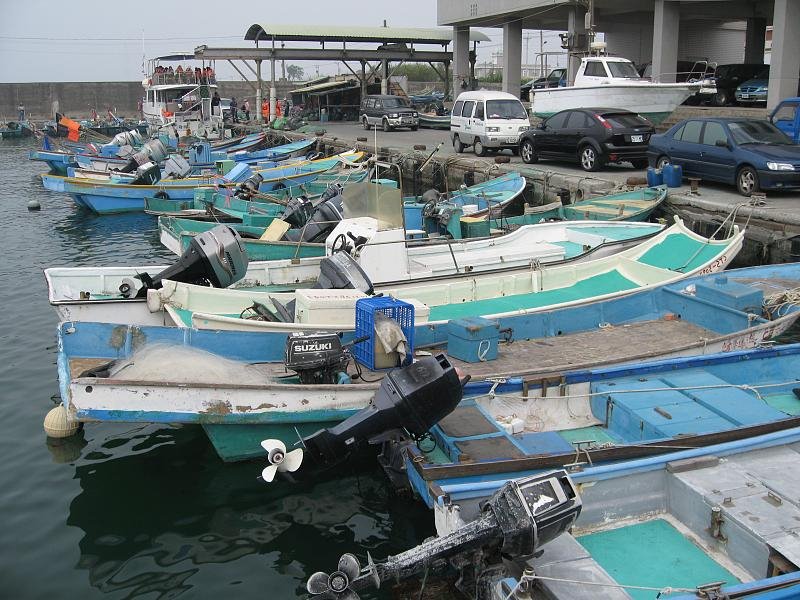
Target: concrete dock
(773, 223)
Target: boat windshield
(757, 132)
(505, 109)
(622, 69)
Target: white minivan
(487, 120)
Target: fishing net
(167, 362)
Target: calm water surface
(131, 511)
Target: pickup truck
(786, 117)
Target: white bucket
(469, 209)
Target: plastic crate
(400, 311)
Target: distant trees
(294, 72)
(417, 72)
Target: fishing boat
(15, 129)
(672, 255)
(434, 121)
(93, 293)
(612, 81)
(692, 524)
(488, 198)
(216, 393)
(633, 205)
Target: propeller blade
(349, 565)
(292, 460)
(268, 474)
(348, 594)
(270, 445)
(317, 583)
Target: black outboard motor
(214, 258)
(298, 211)
(325, 218)
(340, 271)
(147, 174)
(516, 521)
(317, 358)
(249, 187)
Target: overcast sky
(92, 40)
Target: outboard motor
(340, 271)
(153, 151)
(321, 223)
(515, 521)
(147, 174)
(317, 358)
(249, 187)
(298, 211)
(215, 258)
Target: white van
(487, 120)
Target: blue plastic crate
(400, 311)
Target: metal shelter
(395, 45)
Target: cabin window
(595, 68)
(623, 69)
(691, 132)
(467, 110)
(713, 133)
(557, 121)
(479, 111)
(151, 96)
(457, 108)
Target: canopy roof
(176, 56)
(325, 86)
(328, 33)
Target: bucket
(654, 177)
(673, 175)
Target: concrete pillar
(576, 25)
(363, 79)
(259, 92)
(384, 76)
(460, 59)
(512, 57)
(666, 26)
(273, 94)
(785, 59)
(755, 39)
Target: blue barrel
(673, 175)
(654, 177)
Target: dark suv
(388, 112)
(593, 136)
(727, 79)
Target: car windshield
(393, 103)
(624, 120)
(622, 69)
(763, 73)
(757, 132)
(505, 109)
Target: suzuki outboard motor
(340, 271)
(516, 521)
(317, 358)
(214, 258)
(321, 223)
(298, 211)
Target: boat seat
(739, 406)
(543, 442)
(467, 421)
(487, 448)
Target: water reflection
(160, 512)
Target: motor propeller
(279, 459)
(336, 586)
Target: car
(556, 78)
(751, 154)
(786, 117)
(726, 79)
(754, 90)
(591, 136)
(487, 121)
(389, 112)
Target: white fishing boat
(612, 82)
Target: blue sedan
(754, 155)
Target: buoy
(34, 205)
(57, 423)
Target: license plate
(745, 95)
(512, 140)
(637, 138)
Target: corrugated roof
(325, 86)
(319, 33)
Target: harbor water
(132, 511)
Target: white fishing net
(167, 362)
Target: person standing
(246, 109)
(215, 99)
(21, 111)
(234, 108)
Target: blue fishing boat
(488, 198)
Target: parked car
(786, 117)
(556, 78)
(388, 112)
(749, 153)
(754, 90)
(726, 79)
(487, 120)
(592, 136)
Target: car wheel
(747, 181)
(589, 159)
(722, 98)
(640, 163)
(457, 145)
(478, 148)
(365, 123)
(515, 151)
(662, 162)
(386, 126)
(528, 152)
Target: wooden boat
(693, 524)
(635, 205)
(633, 329)
(672, 255)
(92, 294)
(488, 198)
(434, 121)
